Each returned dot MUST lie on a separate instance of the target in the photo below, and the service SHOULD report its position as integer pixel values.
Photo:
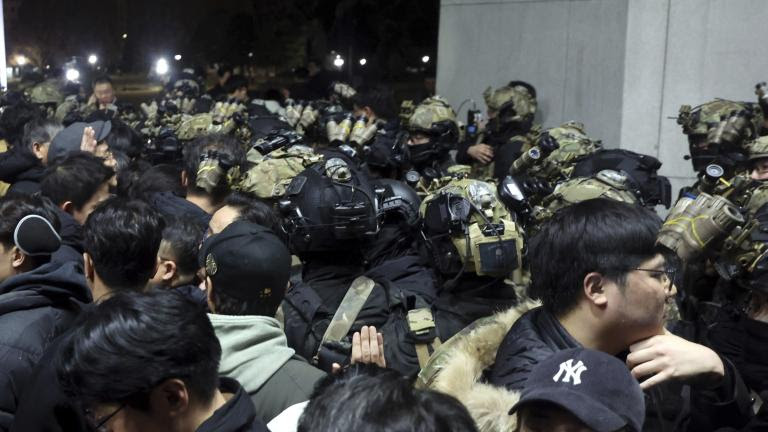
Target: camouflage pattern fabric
(430, 111)
(271, 174)
(522, 102)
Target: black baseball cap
(247, 261)
(594, 386)
(68, 139)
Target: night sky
(283, 34)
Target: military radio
(474, 117)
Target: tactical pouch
(421, 322)
(331, 352)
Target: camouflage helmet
(47, 92)
(430, 114)
(758, 148)
(467, 228)
(718, 131)
(700, 119)
(518, 98)
(573, 145)
(435, 118)
(608, 184)
(194, 126)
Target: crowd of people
(210, 261)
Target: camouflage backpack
(482, 237)
(47, 92)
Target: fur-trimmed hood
(456, 368)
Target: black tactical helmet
(329, 206)
(398, 200)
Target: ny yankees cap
(594, 386)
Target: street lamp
(21, 60)
(338, 61)
(92, 59)
(161, 67)
(425, 59)
(363, 61)
(72, 74)
(177, 57)
(125, 35)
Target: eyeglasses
(99, 425)
(667, 276)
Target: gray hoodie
(255, 353)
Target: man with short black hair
(387, 402)
(606, 285)
(237, 89)
(103, 93)
(76, 185)
(121, 242)
(177, 258)
(240, 206)
(375, 103)
(38, 299)
(121, 239)
(165, 380)
(247, 271)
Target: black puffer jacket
(71, 233)
(745, 342)
(35, 308)
(669, 407)
(172, 205)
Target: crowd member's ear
(68, 207)
(18, 259)
(169, 269)
(170, 397)
(37, 150)
(594, 289)
(88, 269)
(209, 294)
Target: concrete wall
(687, 52)
(622, 67)
(571, 51)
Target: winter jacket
(457, 367)
(745, 342)
(236, 415)
(256, 354)
(35, 308)
(171, 205)
(671, 406)
(43, 406)
(22, 170)
(71, 233)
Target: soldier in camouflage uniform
(433, 133)
(509, 132)
(758, 158)
(717, 132)
(47, 96)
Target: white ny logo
(571, 371)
